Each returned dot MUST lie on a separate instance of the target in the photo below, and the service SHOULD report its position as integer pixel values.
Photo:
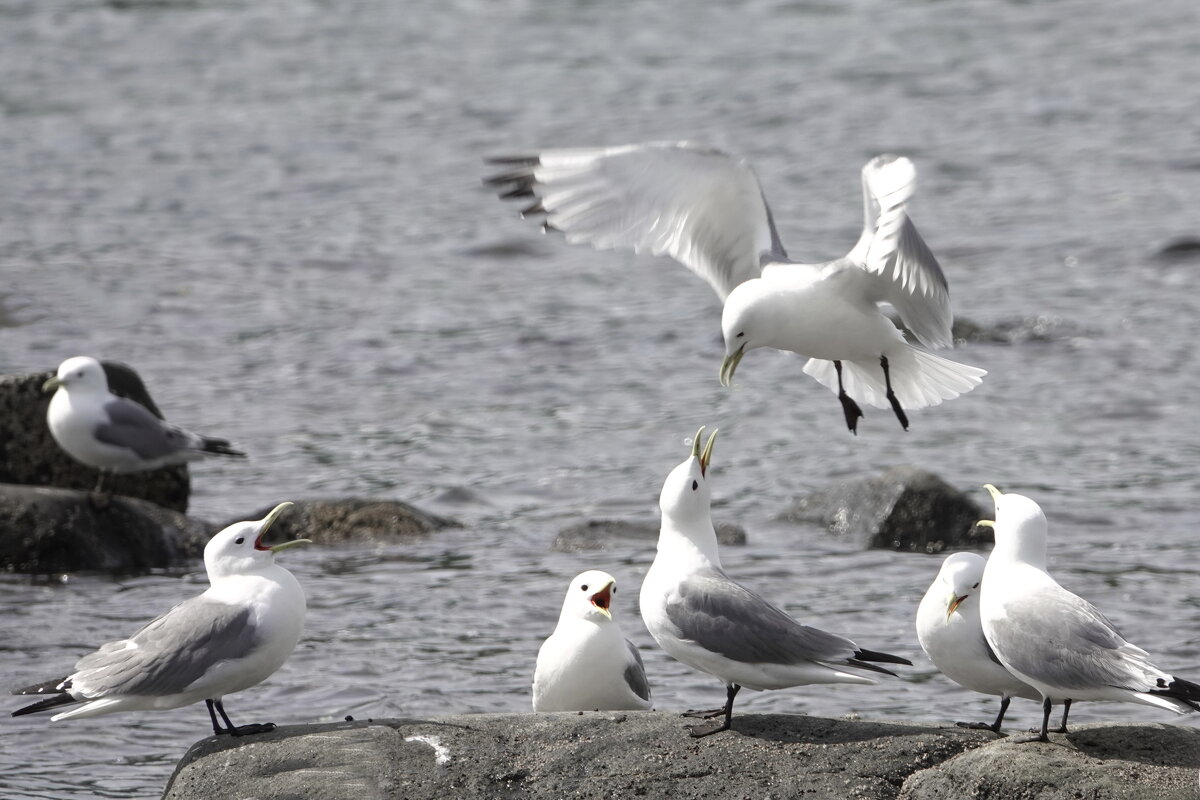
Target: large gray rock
(1097, 762)
(49, 530)
(29, 455)
(605, 535)
(905, 508)
(585, 755)
(631, 754)
(350, 519)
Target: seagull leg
(697, 731)
(1066, 710)
(1043, 736)
(849, 408)
(891, 396)
(236, 730)
(983, 726)
(217, 729)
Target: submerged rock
(47, 530)
(350, 519)
(649, 754)
(605, 535)
(30, 456)
(905, 508)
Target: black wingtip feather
(45, 704)
(521, 161)
(222, 447)
(886, 658)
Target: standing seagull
(706, 620)
(706, 210)
(115, 434)
(587, 664)
(1053, 640)
(231, 637)
(949, 630)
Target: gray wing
(727, 618)
(130, 425)
(702, 207)
(635, 673)
(170, 653)
(910, 277)
(1054, 636)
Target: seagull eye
(740, 334)
(695, 485)
(976, 586)
(583, 588)
(239, 540)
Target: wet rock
(350, 519)
(606, 535)
(29, 455)
(1186, 248)
(587, 755)
(905, 508)
(1037, 329)
(1111, 761)
(50, 530)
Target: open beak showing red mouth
(603, 600)
(267, 523)
(954, 604)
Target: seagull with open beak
(587, 664)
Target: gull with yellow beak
(1053, 640)
(587, 664)
(231, 637)
(706, 209)
(951, 635)
(705, 619)
(115, 434)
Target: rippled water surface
(273, 211)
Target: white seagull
(587, 664)
(951, 634)
(115, 434)
(706, 209)
(231, 637)
(708, 621)
(1053, 640)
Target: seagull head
(685, 494)
(1020, 528)
(959, 578)
(590, 596)
(240, 550)
(745, 324)
(79, 375)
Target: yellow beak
(730, 364)
(704, 455)
(51, 384)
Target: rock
(50, 530)
(1185, 248)
(606, 534)
(1018, 331)
(582, 755)
(905, 508)
(1111, 761)
(30, 456)
(350, 519)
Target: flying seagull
(705, 619)
(231, 637)
(706, 209)
(587, 664)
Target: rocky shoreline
(648, 754)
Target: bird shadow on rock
(1161, 745)
(798, 729)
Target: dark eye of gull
(740, 334)
(239, 540)
(695, 485)
(583, 588)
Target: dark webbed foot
(979, 726)
(849, 408)
(720, 717)
(250, 730)
(709, 714)
(709, 728)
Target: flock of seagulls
(999, 626)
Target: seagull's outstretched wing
(890, 247)
(702, 207)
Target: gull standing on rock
(708, 621)
(951, 634)
(231, 637)
(587, 664)
(706, 209)
(1053, 640)
(115, 434)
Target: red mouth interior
(258, 541)
(603, 598)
